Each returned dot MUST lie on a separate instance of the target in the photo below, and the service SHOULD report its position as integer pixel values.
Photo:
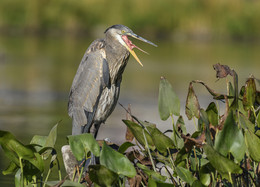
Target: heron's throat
(130, 44)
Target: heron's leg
(94, 131)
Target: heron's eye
(123, 31)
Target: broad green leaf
(116, 162)
(137, 131)
(10, 169)
(38, 140)
(14, 150)
(37, 161)
(17, 178)
(152, 173)
(231, 92)
(181, 157)
(161, 141)
(230, 139)
(102, 176)
(51, 139)
(154, 183)
(185, 175)
(204, 174)
(205, 120)
(197, 183)
(192, 104)
(245, 123)
(258, 120)
(82, 144)
(168, 102)
(222, 164)
(253, 144)
(125, 146)
(249, 94)
(212, 113)
(65, 183)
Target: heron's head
(121, 33)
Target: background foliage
(177, 18)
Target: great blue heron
(96, 85)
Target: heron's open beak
(129, 45)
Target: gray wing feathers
(87, 86)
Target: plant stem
(171, 159)
(81, 171)
(74, 173)
(174, 132)
(196, 159)
(47, 177)
(146, 145)
(58, 168)
(21, 166)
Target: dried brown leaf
(135, 181)
(222, 70)
(190, 142)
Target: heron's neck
(117, 57)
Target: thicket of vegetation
(224, 149)
(235, 19)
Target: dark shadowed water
(36, 75)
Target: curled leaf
(222, 70)
(249, 94)
(192, 104)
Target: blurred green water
(36, 75)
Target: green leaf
(253, 144)
(125, 146)
(17, 178)
(81, 144)
(116, 162)
(50, 141)
(152, 173)
(102, 176)
(38, 140)
(222, 164)
(205, 120)
(181, 157)
(180, 124)
(245, 123)
(137, 131)
(168, 102)
(161, 141)
(154, 183)
(197, 183)
(185, 175)
(10, 169)
(65, 183)
(204, 174)
(212, 113)
(230, 139)
(192, 104)
(249, 94)
(258, 120)
(14, 150)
